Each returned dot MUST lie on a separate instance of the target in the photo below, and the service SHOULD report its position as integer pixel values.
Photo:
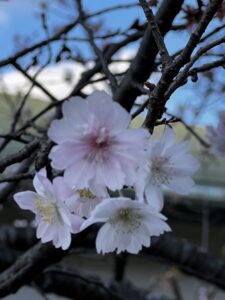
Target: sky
(21, 17)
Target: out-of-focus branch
(28, 266)
(179, 80)
(10, 186)
(189, 258)
(24, 153)
(157, 99)
(34, 81)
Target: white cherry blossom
(169, 164)
(55, 221)
(128, 225)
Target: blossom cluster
(98, 152)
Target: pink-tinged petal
(137, 139)
(181, 184)
(70, 202)
(64, 155)
(154, 196)
(110, 113)
(26, 200)
(79, 174)
(62, 190)
(110, 174)
(75, 111)
(76, 222)
(61, 131)
(98, 190)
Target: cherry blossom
(216, 136)
(170, 165)
(95, 143)
(129, 225)
(84, 201)
(55, 221)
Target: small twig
(140, 109)
(97, 51)
(166, 59)
(34, 81)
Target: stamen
(86, 194)
(130, 219)
(47, 211)
(160, 174)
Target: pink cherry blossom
(128, 225)
(55, 221)
(169, 164)
(95, 143)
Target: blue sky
(21, 17)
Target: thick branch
(143, 64)
(28, 266)
(186, 256)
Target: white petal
(64, 155)
(62, 190)
(105, 242)
(61, 131)
(181, 184)
(43, 186)
(26, 200)
(154, 196)
(41, 229)
(79, 174)
(76, 222)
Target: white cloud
(53, 78)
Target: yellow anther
(85, 193)
(47, 210)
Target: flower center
(101, 139)
(86, 194)
(128, 218)
(47, 211)
(161, 174)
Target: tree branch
(165, 57)
(143, 64)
